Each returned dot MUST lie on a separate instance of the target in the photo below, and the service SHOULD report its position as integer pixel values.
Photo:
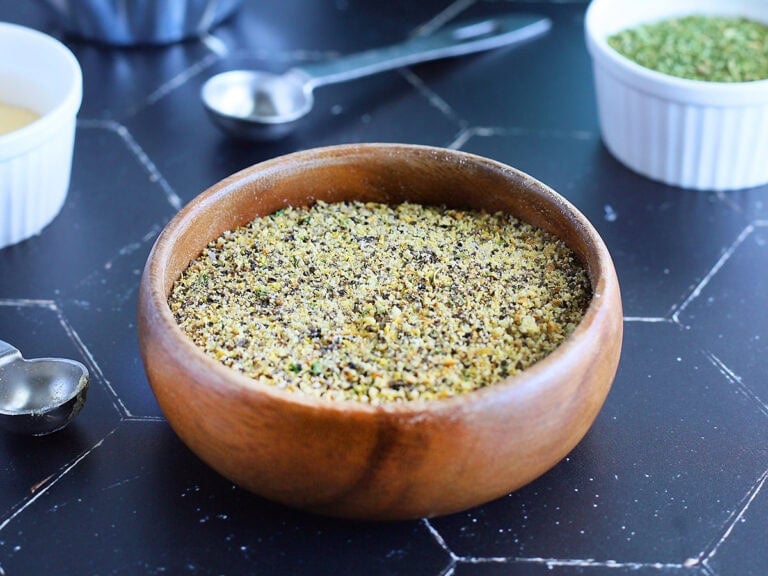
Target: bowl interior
(376, 173)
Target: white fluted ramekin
(41, 74)
(688, 133)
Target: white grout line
(117, 403)
(432, 98)
(26, 302)
(486, 131)
(215, 45)
(696, 292)
(120, 483)
(734, 519)
(438, 538)
(149, 237)
(154, 174)
(451, 567)
(177, 81)
(67, 468)
(731, 376)
(93, 366)
(446, 15)
(173, 199)
(550, 563)
(647, 319)
(122, 410)
(728, 201)
(132, 418)
(460, 139)
(284, 57)
(468, 133)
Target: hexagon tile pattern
(671, 479)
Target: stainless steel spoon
(39, 396)
(258, 105)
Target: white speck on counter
(609, 213)
(154, 174)
(715, 269)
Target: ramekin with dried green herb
(682, 88)
(378, 303)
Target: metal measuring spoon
(39, 396)
(258, 105)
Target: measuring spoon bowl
(39, 396)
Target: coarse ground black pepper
(378, 303)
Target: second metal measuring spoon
(41, 395)
(258, 105)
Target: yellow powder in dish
(13, 118)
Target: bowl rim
(20, 141)
(576, 346)
(706, 93)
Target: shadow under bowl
(394, 461)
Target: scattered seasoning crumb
(707, 48)
(378, 303)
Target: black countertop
(671, 479)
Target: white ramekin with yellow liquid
(42, 78)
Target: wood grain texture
(395, 461)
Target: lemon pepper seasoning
(378, 303)
(707, 48)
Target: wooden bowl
(396, 461)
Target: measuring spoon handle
(448, 42)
